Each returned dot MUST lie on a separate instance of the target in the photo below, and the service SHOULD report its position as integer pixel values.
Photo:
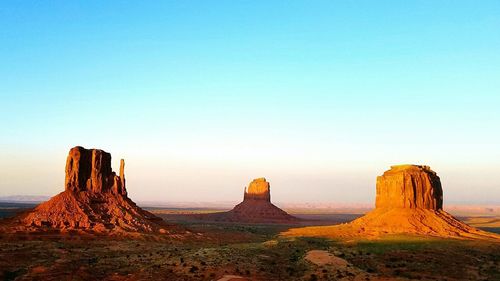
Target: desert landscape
(92, 230)
(250, 140)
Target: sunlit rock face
(90, 170)
(409, 186)
(409, 201)
(258, 189)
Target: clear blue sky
(200, 97)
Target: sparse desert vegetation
(192, 247)
(255, 252)
(131, 132)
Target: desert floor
(223, 251)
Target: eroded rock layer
(258, 189)
(409, 201)
(90, 170)
(409, 186)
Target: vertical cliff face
(78, 169)
(409, 186)
(90, 170)
(258, 189)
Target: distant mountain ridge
(24, 198)
(320, 207)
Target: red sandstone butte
(258, 189)
(409, 186)
(95, 200)
(255, 208)
(409, 201)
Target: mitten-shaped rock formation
(259, 189)
(90, 170)
(255, 208)
(95, 199)
(409, 200)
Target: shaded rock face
(90, 170)
(409, 186)
(95, 200)
(258, 189)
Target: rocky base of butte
(409, 201)
(94, 200)
(255, 208)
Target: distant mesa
(255, 208)
(95, 199)
(258, 189)
(409, 200)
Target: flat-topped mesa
(409, 186)
(409, 201)
(90, 170)
(259, 189)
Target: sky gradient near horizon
(200, 97)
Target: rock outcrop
(409, 186)
(94, 200)
(409, 200)
(255, 208)
(258, 189)
(90, 170)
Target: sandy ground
(232, 278)
(320, 257)
(344, 270)
(491, 222)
